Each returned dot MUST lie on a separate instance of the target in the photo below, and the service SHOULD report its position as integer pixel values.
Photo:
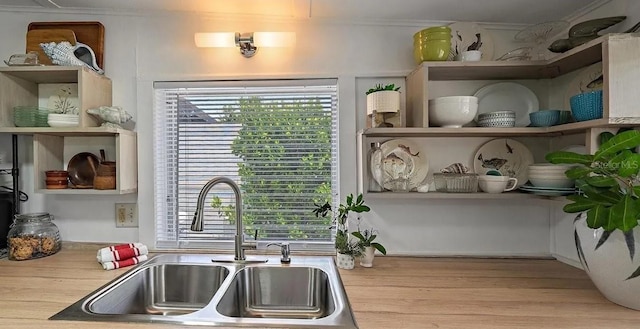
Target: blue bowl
(587, 106)
(544, 118)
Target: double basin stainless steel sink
(208, 290)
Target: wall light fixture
(247, 42)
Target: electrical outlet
(126, 215)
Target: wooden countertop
(398, 292)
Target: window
(277, 139)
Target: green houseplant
(379, 87)
(606, 230)
(369, 246)
(345, 246)
(607, 180)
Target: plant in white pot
(369, 246)
(606, 232)
(347, 249)
(383, 101)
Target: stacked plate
(63, 120)
(547, 191)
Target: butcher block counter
(398, 292)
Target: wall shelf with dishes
(609, 60)
(28, 92)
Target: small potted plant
(382, 101)
(606, 231)
(366, 239)
(347, 249)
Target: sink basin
(166, 289)
(253, 293)
(204, 290)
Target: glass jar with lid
(33, 236)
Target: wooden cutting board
(35, 37)
(89, 33)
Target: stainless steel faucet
(197, 223)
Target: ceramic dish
(508, 96)
(589, 79)
(81, 171)
(509, 157)
(463, 34)
(405, 155)
(547, 191)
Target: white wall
(143, 49)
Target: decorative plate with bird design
(509, 157)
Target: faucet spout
(197, 223)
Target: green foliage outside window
(285, 149)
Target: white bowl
(455, 99)
(552, 182)
(452, 114)
(551, 166)
(546, 174)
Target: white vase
(345, 261)
(366, 260)
(611, 267)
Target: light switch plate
(126, 215)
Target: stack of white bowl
(63, 120)
(452, 111)
(550, 175)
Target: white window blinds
(276, 139)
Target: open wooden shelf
(565, 129)
(53, 147)
(574, 59)
(621, 72)
(73, 131)
(515, 195)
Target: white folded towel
(123, 263)
(122, 246)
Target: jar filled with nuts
(33, 236)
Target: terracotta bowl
(56, 173)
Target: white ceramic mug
(471, 55)
(497, 184)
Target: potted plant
(382, 100)
(366, 239)
(606, 230)
(347, 249)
